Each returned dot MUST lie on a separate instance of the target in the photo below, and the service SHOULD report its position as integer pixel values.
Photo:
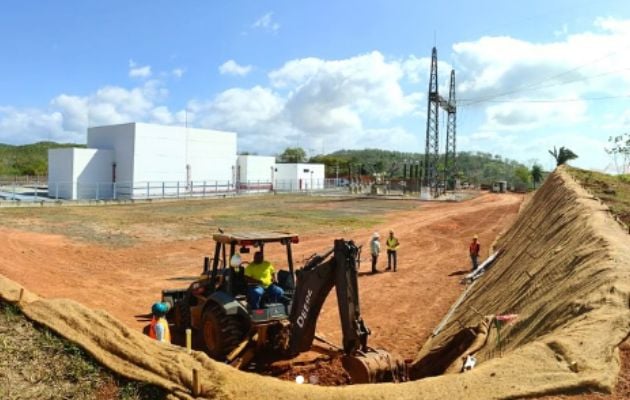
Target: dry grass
(36, 364)
(613, 190)
(123, 225)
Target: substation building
(299, 177)
(138, 160)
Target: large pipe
(375, 366)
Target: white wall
(301, 176)
(92, 172)
(254, 169)
(211, 154)
(120, 139)
(147, 155)
(162, 153)
(60, 173)
(76, 173)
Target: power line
(551, 101)
(583, 79)
(533, 85)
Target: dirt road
(400, 308)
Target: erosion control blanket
(564, 271)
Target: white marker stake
(189, 340)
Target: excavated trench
(564, 270)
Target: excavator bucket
(375, 366)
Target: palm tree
(562, 155)
(536, 174)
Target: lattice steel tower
(431, 155)
(450, 155)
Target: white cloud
(525, 116)
(315, 102)
(236, 109)
(531, 91)
(577, 64)
(136, 71)
(266, 23)
(31, 125)
(417, 70)
(484, 135)
(68, 116)
(367, 85)
(370, 100)
(231, 67)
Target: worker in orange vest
(392, 250)
(473, 249)
(158, 329)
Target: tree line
(472, 167)
(477, 168)
(29, 159)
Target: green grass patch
(37, 364)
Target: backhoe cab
(216, 307)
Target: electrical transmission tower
(450, 159)
(431, 154)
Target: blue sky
(323, 75)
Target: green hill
(473, 167)
(29, 159)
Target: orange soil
(400, 308)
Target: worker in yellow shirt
(392, 250)
(262, 277)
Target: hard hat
(235, 261)
(376, 235)
(159, 308)
(475, 237)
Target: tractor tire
(220, 333)
(181, 314)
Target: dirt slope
(565, 270)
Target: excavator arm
(355, 333)
(314, 282)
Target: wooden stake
(189, 340)
(196, 385)
(21, 295)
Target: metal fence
(38, 191)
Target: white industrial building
(138, 160)
(255, 172)
(72, 173)
(299, 177)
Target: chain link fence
(41, 190)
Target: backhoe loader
(216, 307)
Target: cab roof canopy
(250, 238)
